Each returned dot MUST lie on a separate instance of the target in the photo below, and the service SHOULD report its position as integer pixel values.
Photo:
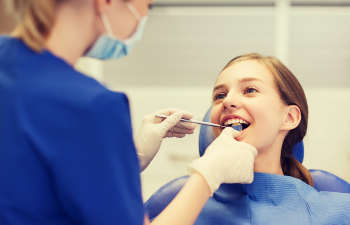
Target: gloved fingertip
(187, 115)
(172, 120)
(191, 126)
(178, 115)
(230, 132)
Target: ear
(101, 6)
(292, 118)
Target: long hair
(291, 93)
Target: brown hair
(291, 93)
(34, 19)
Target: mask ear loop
(107, 25)
(134, 11)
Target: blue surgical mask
(110, 47)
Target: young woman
(67, 154)
(264, 96)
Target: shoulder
(71, 99)
(325, 207)
(7, 42)
(50, 82)
(326, 198)
(75, 99)
(311, 194)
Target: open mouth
(243, 123)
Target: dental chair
(323, 180)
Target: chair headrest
(206, 137)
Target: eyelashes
(219, 96)
(248, 91)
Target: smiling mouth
(233, 122)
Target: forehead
(246, 69)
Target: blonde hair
(291, 93)
(34, 20)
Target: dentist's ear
(292, 118)
(101, 5)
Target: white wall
(188, 46)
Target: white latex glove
(154, 129)
(226, 161)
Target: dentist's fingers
(181, 130)
(172, 120)
(178, 133)
(170, 134)
(186, 125)
(171, 111)
(229, 131)
(153, 118)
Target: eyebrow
(248, 79)
(219, 87)
(243, 80)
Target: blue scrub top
(66, 149)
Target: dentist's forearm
(186, 206)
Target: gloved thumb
(170, 122)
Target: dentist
(67, 153)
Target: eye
(250, 90)
(220, 95)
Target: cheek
(267, 127)
(267, 120)
(215, 118)
(265, 110)
(214, 115)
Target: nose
(231, 101)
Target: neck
(269, 158)
(72, 34)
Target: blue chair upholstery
(159, 200)
(323, 180)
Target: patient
(266, 98)
(262, 94)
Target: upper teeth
(232, 121)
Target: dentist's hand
(154, 129)
(226, 161)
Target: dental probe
(236, 126)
